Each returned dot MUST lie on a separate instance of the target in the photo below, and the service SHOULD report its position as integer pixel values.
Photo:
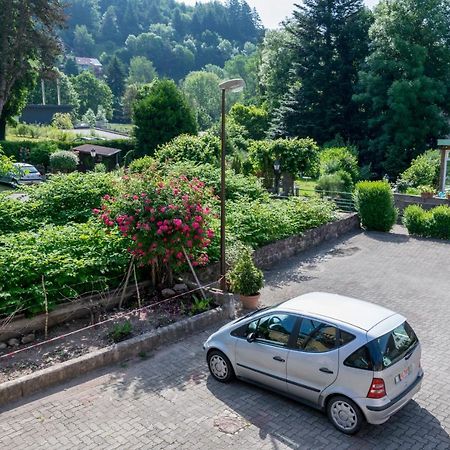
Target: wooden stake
(137, 287)
(46, 307)
(193, 273)
(127, 279)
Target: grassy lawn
(125, 128)
(307, 187)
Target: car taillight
(377, 389)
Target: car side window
(316, 337)
(276, 328)
(360, 359)
(251, 327)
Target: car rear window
(394, 345)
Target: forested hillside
(176, 38)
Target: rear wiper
(411, 351)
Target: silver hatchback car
(355, 360)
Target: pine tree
(405, 85)
(109, 29)
(330, 42)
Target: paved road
(169, 400)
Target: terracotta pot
(250, 301)
(426, 195)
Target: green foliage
(201, 89)
(296, 156)
(200, 305)
(74, 259)
(92, 92)
(236, 186)
(245, 278)
(374, 202)
(89, 118)
(63, 121)
(141, 71)
(260, 222)
(160, 116)
(433, 223)
(337, 159)
(100, 168)
(121, 331)
(62, 199)
(6, 163)
(63, 161)
(142, 165)
(404, 85)
(198, 149)
(339, 181)
(329, 42)
(424, 170)
(253, 119)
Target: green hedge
(259, 222)
(374, 202)
(63, 199)
(433, 223)
(74, 259)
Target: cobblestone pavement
(169, 401)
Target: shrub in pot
(427, 191)
(247, 280)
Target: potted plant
(427, 191)
(247, 280)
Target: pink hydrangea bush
(163, 219)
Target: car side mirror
(251, 337)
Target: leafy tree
(89, 118)
(161, 115)
(6, 163)
(141, 71)
(275, 69)
(115, 76)
(202, 91)
(405, 84)
(83, 41)
(84, 12)
(255, 120)
(63, 121)
(92, 93)
(28, 38)
(330, 42)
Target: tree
(92, 93)
(276, 64)
(161, 115)
(83, 41)
(115, 77)
(202, 91)
(330, 42)
(28, 38)
(109, 29)
(141, 71)
(255, 120)
(70, 67)
(405, 85)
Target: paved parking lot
(169, 401)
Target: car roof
(22, 165)
(338, 308)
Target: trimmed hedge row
(434, 223)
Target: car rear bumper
(378, 414)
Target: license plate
(402, 375)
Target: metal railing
(343, 200)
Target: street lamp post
(231, 86)
(276, 168)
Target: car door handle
(278, 358)
(324, 369)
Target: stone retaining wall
(270, 254)
(42, 379)
(403, 200)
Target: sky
(272, 12)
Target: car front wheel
(345, 415)
(220, 366)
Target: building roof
(333, 307)
(99, 150)
(82, 61)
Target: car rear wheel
(220, 366)
(345, 414)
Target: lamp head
(93, 152)
(235, 85)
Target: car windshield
(28, 169)
(394, 345)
